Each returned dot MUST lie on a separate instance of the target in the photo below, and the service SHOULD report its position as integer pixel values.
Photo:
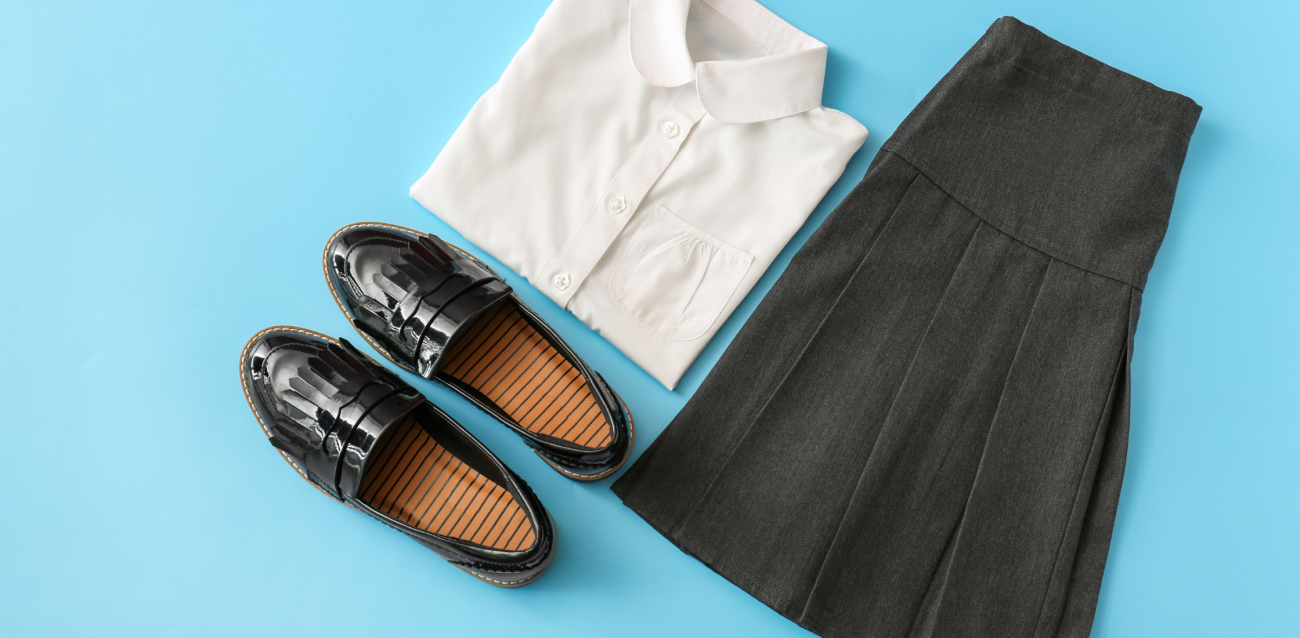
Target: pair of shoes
(363, 436)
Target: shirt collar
(787, 82)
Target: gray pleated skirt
(922, 429)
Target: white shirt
(642, 163)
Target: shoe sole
(338, 300)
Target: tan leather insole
(418, 482)
(508, 361)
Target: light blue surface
(170, 171)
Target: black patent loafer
(444, 315)
(361, 435)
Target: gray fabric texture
(921, 430)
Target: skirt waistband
(1054, 148)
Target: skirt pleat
(971, 479)
(957, 398)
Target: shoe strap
(366, 400)
(451, 289)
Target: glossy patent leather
(431, 291)
(325, 405)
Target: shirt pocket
(675, 278)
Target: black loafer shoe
(363, 436)
(444, 315)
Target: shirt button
(669, 129)
(561, 281)
(616, 204)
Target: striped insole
(418, 482)
(508, 361)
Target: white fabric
(642, 163)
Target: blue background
(169, 172)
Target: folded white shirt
(642, 163)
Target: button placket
(614, 207)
